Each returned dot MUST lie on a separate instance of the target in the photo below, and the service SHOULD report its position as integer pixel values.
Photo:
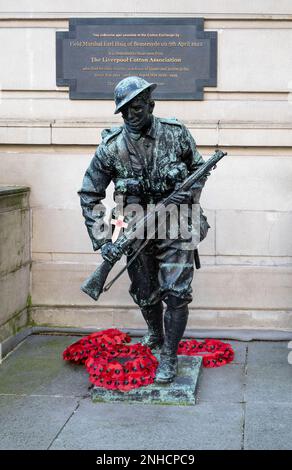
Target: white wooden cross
(119, 224)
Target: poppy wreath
(99, 341)
(122, 367)
(215, 353)
(100, 353)
(114, 364)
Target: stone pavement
(45, 404)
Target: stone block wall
(47, 141)
(15, 259)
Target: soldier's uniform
(164, 266)
(156, 160)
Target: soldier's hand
(197, 189)
(129, 186)
(199, 184)
(183, 197)
(111, 252)
(177, 172)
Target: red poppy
(101, 352)
(106, 371)
(215, 353)
(79, 351)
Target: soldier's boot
(153, 315)
(175, 321)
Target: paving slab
(36, 367)
(268, 352)
(39, 395)
(222, 385)
(71, 380)
(269, 375)
(268, 426)
(269, 383)
(44, 345)
(182, 391)
(32, 422)
(240, 348)
(120, 426)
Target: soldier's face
(137, 114)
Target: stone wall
(14, 259)
(47, 142)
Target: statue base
(182, 391)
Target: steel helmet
(129, 88)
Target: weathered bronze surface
(153, 219)
(147, 158)
(96, 53)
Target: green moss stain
(29, 301)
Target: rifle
(94, 284)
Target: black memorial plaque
(176, 53)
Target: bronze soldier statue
(146, 158)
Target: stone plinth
(180, 392)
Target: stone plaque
(176, 53)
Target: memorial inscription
(176, 53)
